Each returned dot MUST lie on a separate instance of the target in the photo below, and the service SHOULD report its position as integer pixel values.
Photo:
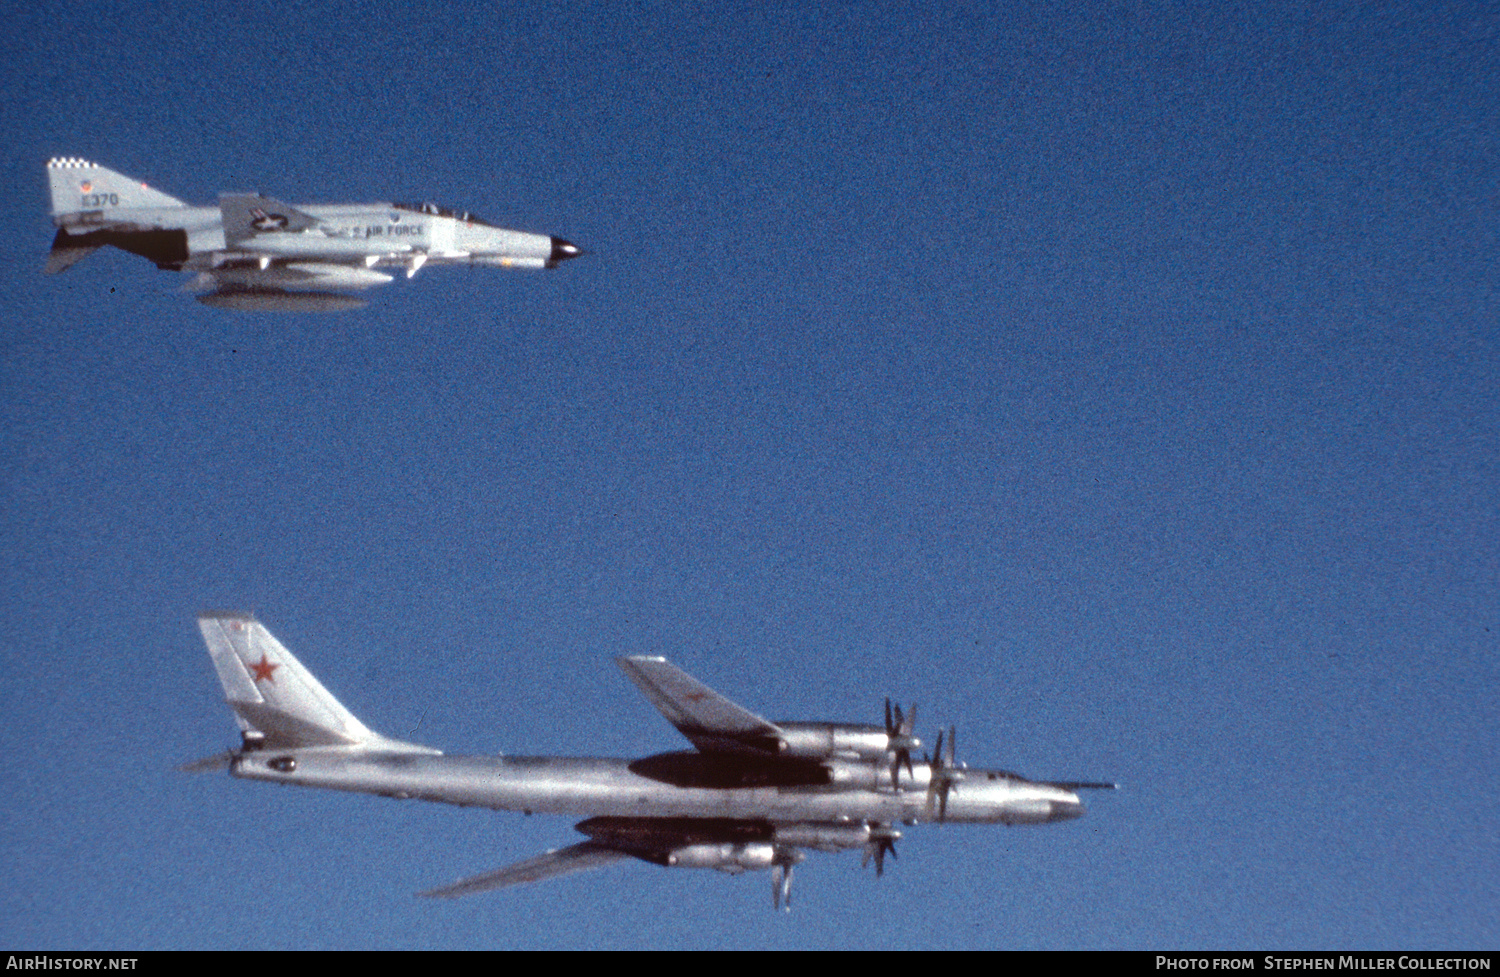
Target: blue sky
(1117, 382)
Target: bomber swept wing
(709, 720)
(256, 252)
(562, 861)
(753, 795)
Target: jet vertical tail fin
(277, 702)
(80, 187)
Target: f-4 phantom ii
(752, 795)
(255, 252)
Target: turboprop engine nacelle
(730, 857)
(834, 741)
(854, 775)
(824, 837)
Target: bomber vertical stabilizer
(277, 702)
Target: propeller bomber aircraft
(255, 252)
(752, 795)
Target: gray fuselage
(603, 786)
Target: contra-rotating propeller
(898, 730)
(946, 773)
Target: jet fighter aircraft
(752, 794)
(255, 252)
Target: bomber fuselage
(663, 786)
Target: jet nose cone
(562, 251)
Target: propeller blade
(898, 731)
(908, 740)
(945, 774)
(935, 787)
(781, 886)
(781, 876)
(877, 848)
(882, 842)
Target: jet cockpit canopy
(434, 210)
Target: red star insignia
(695, 696)
(263, 669)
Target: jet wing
(247, 214)
(710, 721)
(564, 861)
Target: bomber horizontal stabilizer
(219, 761)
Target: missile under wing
(256, 252)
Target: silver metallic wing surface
(564, 861)
(704, 716)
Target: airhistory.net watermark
(48, 961)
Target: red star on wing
(263, 669)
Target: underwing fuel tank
(276, 300)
